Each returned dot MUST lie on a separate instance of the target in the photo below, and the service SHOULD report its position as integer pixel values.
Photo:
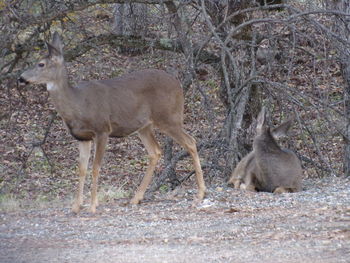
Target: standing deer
(98, 109)
(268, 167)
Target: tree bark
(345, 59)
(342, 28)
(131, 20)
(346, 75)
(234, 92)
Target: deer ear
(283, 129)
(56, 42)
(53, 52)
(55, 48)
(261, 120)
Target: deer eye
(41, 65)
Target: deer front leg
(84, 155)
(100, 147)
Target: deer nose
(22, 80)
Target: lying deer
(98, 109)
(268, 167)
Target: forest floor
(228, 226)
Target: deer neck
(62, 94)
(265, 143)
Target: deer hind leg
(234, 181)
(237, 176)
(281, 189)
(154, 151)
(249, 182)
(100, 147)
(189, 143)
(84, 155)
(237, 183)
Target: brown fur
(268, 167)
(118, 107)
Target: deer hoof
(76, 208)
(280, 190)
(250, 187)
(237, 184)
(135, 201)
(93, 209)
(200, 195)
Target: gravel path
(229, 226)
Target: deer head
(49, 69)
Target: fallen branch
(116, 41)
(40, 145)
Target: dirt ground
(229, 226)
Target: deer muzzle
(22, 81)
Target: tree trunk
(131, 20)
(235, 97)
(342, 28)
(346, 74)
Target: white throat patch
(51, 86)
